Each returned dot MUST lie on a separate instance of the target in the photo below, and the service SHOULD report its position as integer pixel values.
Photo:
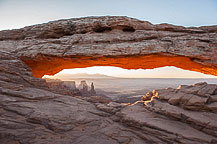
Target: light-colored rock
(33, 113)
(167, 129)
(98, 99)
(116, 41)
(190, 97)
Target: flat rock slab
(31, 113)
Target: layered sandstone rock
(92, 90)
(63, 87)
(84, 89)
(30, 112)
(116, 41)
(198, 97)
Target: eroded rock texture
(31, 113)
(112, 41)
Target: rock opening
(130, 44)
(101, 29)
(46, 65)
(128, 29)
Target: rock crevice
(107, 40)
(33, 113)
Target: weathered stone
(212, 107)
(190, 97)
(83, 88)
(63, 87)
(33, 113)
(111, 107)
(92, 90)
(193, 89)
(138, 117)
(98, 99)
(213, 98)
(207, 90)
(148, 96)
(176, 98)
(116, 41)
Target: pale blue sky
(20, 13)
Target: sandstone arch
(45, 65)
(112, 41)
(31, 112)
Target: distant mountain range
(84, 76)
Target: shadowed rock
(33, 113)
(92, 90)
(112, 41)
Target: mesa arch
(52, 65)
(112, 41)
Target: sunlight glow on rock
(162, 72)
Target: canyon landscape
(34, 111)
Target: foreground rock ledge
(112, 41)
(33, 114)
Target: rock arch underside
(33, 113)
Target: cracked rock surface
(104, 40)
(31, 113)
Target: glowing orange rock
(112, 41)
(45, 65)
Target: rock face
(69, 87)
(92, 90)
(70, 84)
(84, 89)
(83, 85)
(198, 97)
(112, 41)
(63, 87)
(31, 113)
